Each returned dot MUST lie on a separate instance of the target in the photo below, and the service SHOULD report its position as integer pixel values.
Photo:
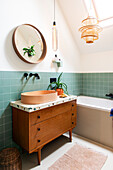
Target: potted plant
(30, 51)
(58, 86)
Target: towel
(111, 112)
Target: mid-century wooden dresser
(32, 130)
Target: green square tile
(2, 128)
(6, 97)
(6, 89)
(1, 105)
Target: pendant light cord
(90, 4)
(54, 10)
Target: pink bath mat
(80, 158)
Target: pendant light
(90, 29)
(54, 33)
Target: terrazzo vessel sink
(38, 97)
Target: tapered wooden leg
(39, 156)
(70, 135)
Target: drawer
(41, 115)
(49, 129)
(73, 120)
(73, 114)
(74, 106)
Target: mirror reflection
(29, 43)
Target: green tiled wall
(97, 84)
(12, 84)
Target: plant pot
(60, 91)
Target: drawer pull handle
(72, 114)
(38, 140)
(38, 129)
(72, 122)
(38, 117)
(72, 105)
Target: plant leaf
(65, 88)
(32, 47)
(60, 85)
(65, 85)
(25, 52)
(50, 85)
(25, 48)
(59, 78)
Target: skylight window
(102, 10)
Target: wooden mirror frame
(19, 54)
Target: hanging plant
(30, 51)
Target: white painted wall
(97, 62)
(40, 14)
(99, 56)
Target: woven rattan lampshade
(90, 29)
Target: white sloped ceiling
(74, 12)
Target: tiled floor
(54, 150)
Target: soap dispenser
(57, 61)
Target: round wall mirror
(29, 43)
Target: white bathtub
(93, 120)
(97, 103)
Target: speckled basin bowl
(38, 97)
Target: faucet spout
(109, 95)
(35, 75)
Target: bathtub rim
(93, 106)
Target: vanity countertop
(32, 108)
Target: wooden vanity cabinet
(32, 130)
